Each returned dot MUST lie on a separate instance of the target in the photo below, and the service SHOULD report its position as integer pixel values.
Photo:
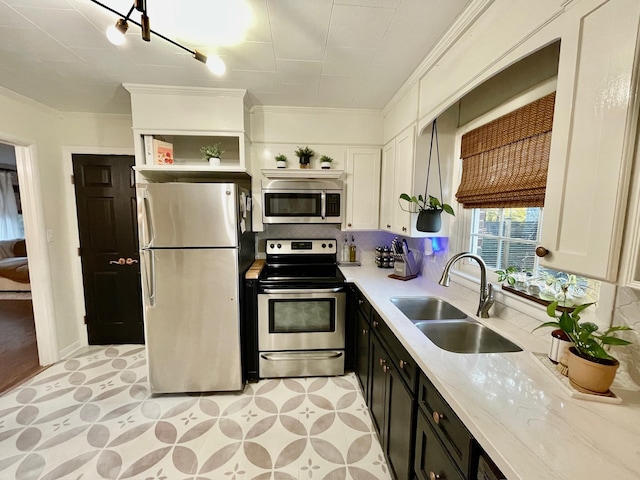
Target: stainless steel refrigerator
(196, 243)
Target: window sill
(534, 299)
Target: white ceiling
(325, 53)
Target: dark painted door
(106, 207)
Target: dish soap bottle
(345, 251)
(352, 250)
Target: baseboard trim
(71, 350)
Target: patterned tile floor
(92, 417)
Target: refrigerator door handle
(149, 277)
(147, 224)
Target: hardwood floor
(18, 350)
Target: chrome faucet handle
(486, 302)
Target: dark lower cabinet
(362, 352)
(392, 407)
(431, 459)
(420, 434)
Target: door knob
(542, 252)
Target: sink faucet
(486, 291)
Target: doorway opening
(19, 358)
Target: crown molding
(458, 28)
(149, 89)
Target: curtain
(9, 218)
(505, 162)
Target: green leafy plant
(508, 274)
(419, 203)
(281, 158)
(304, 152)
(585, 335)
(214, 150)
(324, 158)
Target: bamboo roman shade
(504, 163)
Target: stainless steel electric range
(301, 310)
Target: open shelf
(301, 173)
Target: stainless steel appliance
(195, 244)
(302, 201)
(301, 310)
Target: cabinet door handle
(120, 261)
(437, 417)
(382, 362)
(130, 261)
(348, 225)
(388, 226)
(374, 324)
(434, 476)
(364, 331)
(385, 368)
(360, 301)
(404, 229)
(541, 251)
(402, 364)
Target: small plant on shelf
(304, 154)
(212, 151)
(281, 161)
(325, 162)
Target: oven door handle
(299, 355)
(302, 290)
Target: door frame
(74, 231)
(35, 238)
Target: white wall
(25, 122)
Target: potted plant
(325, 162)
(281, 161)
(591, 368)
(429, 211)
(213, 153)
(304, 154)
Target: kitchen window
(502, 187)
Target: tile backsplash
(627, 312)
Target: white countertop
(527, 423)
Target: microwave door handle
(323, 201)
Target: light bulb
(216, 65)
(115, 33)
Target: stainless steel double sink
(450, 328)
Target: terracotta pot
(591, 376)
(429, 220)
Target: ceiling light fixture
(116, 33)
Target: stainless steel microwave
(301, 201)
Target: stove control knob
(324, 245)
(271, 245)
(279, 245)
(331, 245)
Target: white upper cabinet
(592, 145)
(187, 119)
(362, 185)
(397, 177)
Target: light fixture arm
(141, 5)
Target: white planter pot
(214, 161)
(281, 164)
(325, 165)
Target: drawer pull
(434, 476)
(402, 364)
(385, 368)
(382, 362)
(437, 417)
